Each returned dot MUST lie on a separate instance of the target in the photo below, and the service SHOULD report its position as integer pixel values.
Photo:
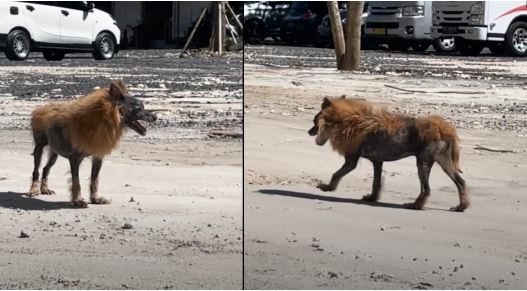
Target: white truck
(404, 24)
(56, 28)
(499, 25)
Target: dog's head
(319, 128)
(132, 109)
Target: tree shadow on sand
(331, 198)
(17, 200)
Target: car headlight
(476, 14)
(413, 11)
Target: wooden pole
(240, 25)
(352, 54)
(230, 30)
(219, 27)
(336, 31)
(189, 39)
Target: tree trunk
(351, 60)
(336, 31)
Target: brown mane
(93, 122)
(351, 120)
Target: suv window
(49, 3)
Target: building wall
(187, 12)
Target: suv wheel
(53, 55)
(444, 45)
(516, 39)
(18, 45)
(104, 47)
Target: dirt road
(297, 236)
(178, 189)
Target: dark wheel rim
(106, 47)
(519, 40)
(20, 46)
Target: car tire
(444, 45)
(50, 55)
(420, 46)
(254, 31)
(18, 45)
(469, 48)
(104, 47)
(516, 39)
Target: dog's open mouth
(138, 127)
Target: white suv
(56, 28)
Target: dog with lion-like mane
(357, 128)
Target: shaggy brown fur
(92, 123)
(357, 128)
(90, 126)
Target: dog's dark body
(90, 126)
(388, 137)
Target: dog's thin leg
(424, 165)
(460, 184)
(37, 157)
(94, 182)
(349, 165)
(44, 189)
(377, 183)
(76, 199)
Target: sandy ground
(297, 236)
(179, 190)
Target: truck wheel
(399, 46)
(104, 47)
(254, 31)
(420, 46)
(444, 45)
(18, 45)
(516, 39)
(53, 55)
(469, 48)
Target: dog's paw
(369, 197)
(325, 187)
(33, 192)
(46, 191)
(413, 206)
(79, 203)
(100, 200)
(459, 208)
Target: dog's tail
(436, 129)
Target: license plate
(379, 31)
(450, 29)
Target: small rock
(127, 226)
(333, 274)
(132, 199)
(23, 235)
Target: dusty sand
(297, 236)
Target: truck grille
(384, 10)
(453, 17)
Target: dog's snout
(312, 131)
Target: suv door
(76, 23)
(42, 19)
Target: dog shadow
(329, 198)
(16, 200)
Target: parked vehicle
(301, 22)
(263, 19)
(498, 25)
(56, 28)
(404, 24)
(324, 34)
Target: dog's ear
(118, 90)
(326, 103)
